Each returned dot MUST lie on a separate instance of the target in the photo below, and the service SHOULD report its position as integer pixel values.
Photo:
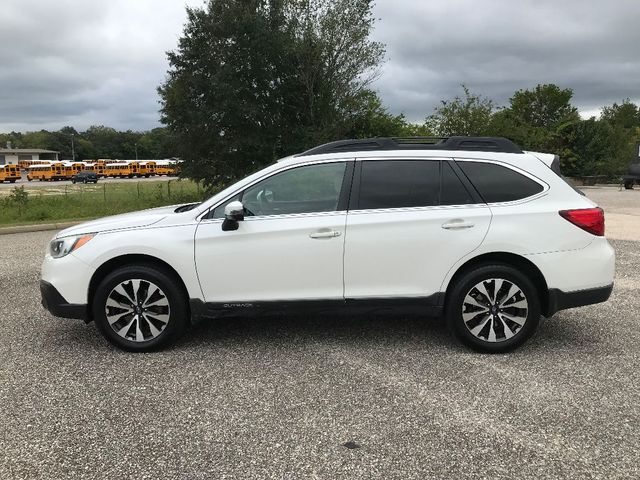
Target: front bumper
(58, 306)
(559, 300)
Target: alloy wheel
(137, 310)
(494, 310)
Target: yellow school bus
(148, 168)
(97, 168)
(144, 168)
(48, 172)
(117, 170)
(25, 164)
(135, 168)
(166, 167)
(71, 168)
(9, 173)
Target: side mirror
(233, 213)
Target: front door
(290, 245)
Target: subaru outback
(472, 228)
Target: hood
(142, 218)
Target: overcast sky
(85, 62)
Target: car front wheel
(493, 308)
(140, 308)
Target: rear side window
(399, 183)
(496, 183)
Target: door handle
(325, 234)
(457, 225)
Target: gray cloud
(498, 46)
(75, 62)
(79, 63)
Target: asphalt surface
(278, 397)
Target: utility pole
(136, 147)
(73, 150)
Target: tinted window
(453, 191)
(399, 183)
(314, 188)
(496, 183)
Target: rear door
(409, 222)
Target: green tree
(537, 119)
(625, 115)
(546, 106)
(590, 148)
(466, 115)
(374, 120)
(624, 122)
(254, 80)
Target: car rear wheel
(140, 308)
(493, 308)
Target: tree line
(540, 119)
(543, 119)
(96, 142)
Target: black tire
(628, 185)
(465, 285)
(166, 281)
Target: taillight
(589, 219)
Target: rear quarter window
(496, 183)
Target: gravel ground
(279, 397)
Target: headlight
(60, 247)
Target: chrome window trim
(284, 216)
(417, 209)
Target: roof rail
(481, 144)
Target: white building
(14, 155)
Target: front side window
(307, 189)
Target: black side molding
(559, 300)
(58, 306)
(430, 306)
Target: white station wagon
(472, 228)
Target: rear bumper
(559, 300)
(58, 306)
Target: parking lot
(278, 397)
(6, 187)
